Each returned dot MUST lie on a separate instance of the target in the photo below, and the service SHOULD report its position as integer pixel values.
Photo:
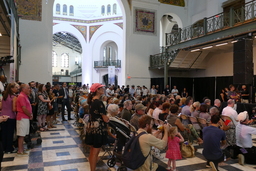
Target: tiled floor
(62, 150)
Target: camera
(6, 60)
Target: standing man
(65, 102)
(212, 137)
(244, 95)
(175, 91)
(33, 99)
(167, 90)
(24, 114)
(144, 91)
(132, 91)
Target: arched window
(64, 60)
(57, 8)
(71, 10)
(109, 9)
(114, 9)
(54, 59)
(102, 10)
(64, 9)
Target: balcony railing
(60, 73)
(105, 64)
(75, 72)
(161, 59)
(218, 22)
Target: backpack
(132, 156)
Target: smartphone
(244, 151)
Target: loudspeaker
(243, 62)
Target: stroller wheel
(39, 141)
(122, 168)
(111, 162)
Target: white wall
(141, 46)
(36, 43)
(60, 49)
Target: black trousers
(216, 162)
(250, 156)
(8, 128)
(66, 103)
(34, 111)
(1, 154)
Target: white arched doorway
(167, 23)
(67, 28)
(88, 59)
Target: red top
(23, 100)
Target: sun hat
(140, 107)
(95, 87)
(242, 116)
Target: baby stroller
(34, 136)
(122, 129)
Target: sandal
(41, 129)
(52, 126)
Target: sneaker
(168, 168)
(22, 154)
(9, 152)
(213, 166)
(241, 159)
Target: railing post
(242, 13)
(252, 9)
(179, 36)
(231, 17)
(205, 26)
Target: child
(173, 153)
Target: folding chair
(203, 122)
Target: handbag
(187, 150)
(50, 106)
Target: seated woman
(194, 109)
(174, 120)
(165, 111)
(204, 113)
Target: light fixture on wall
(195, 50)
(0, 34)
(208, 47)
(222, 44)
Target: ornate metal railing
(106, 63)
(213, 24)
(76, 71)
(161, 59)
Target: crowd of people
(142, 108)
(24, 104)
(223, 131)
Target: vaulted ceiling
(67, 40)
